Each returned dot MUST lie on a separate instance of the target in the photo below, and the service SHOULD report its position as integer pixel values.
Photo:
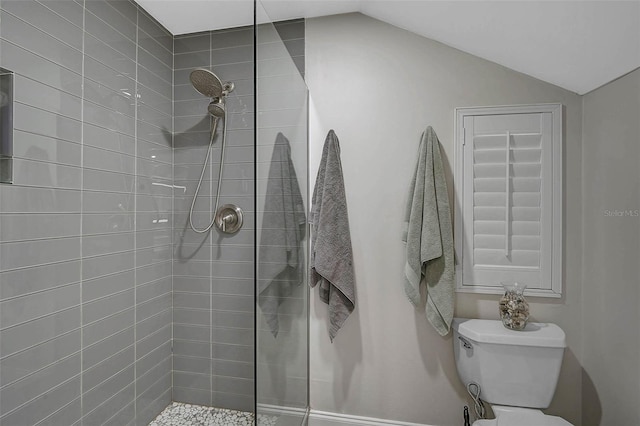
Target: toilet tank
(517, 368)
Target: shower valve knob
(229, 218)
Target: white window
(508, 198)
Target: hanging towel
(280, 262)
(428, 236)
(331, 253)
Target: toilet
(517, 370)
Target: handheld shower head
(216, 108)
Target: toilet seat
(530, 419)
(517, 416)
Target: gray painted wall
(611, 234)
(85, 256)
(387, 361)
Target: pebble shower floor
(179, 414)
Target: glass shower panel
(213, 287)
(281, 223)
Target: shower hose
(204, 168)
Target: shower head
(206, 82)
(216, 108)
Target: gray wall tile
(33, 253)
(102, 242)
(192, 332)
(191, 42)
(46, 20)
(99, 395)
(102, 350)
(107, 306)
(17, 366)
(104, 265)
(34, 93)
(154, 65)
(192, 365)
(190, 60)
(103, 138)
(154, 323)
(68, 414)
(102, 52)
(231, 38)
(183, 379)
(191, 348)
(231, 352)
(127, 8)
(154, 82)
(152, 28)
(158, 304)
(36, 305)
(107, 98)
(233, 401)
(33, 146)
(98, 223)
(148, 410)
(37, 68)
(32, 386)
(154, 99)
(153, 47)
(232, 55)
(32, 333)
(105, 411)
(31, 38)
(45, 405)
(123, 417)
(153, 358)
(153, 375)
(153, 289)
(71, 11)
(17, 227)
(108, 326)
(153, 392)
(111, 36)
(192, 396)
(190, 316)
(108, 14)
(108, 368)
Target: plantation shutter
(507, 202)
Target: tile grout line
(135, 229)
(84, 12)
(211, 204)
(173, 196)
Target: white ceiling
(578, 44)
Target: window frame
(557, 236)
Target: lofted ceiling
(577, 44)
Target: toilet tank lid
(492, 331)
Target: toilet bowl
(517, 371)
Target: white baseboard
(325, 418)
(279, 410)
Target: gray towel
(280, 262)
(331, 253)
(428, 236)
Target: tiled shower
(110, 306)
